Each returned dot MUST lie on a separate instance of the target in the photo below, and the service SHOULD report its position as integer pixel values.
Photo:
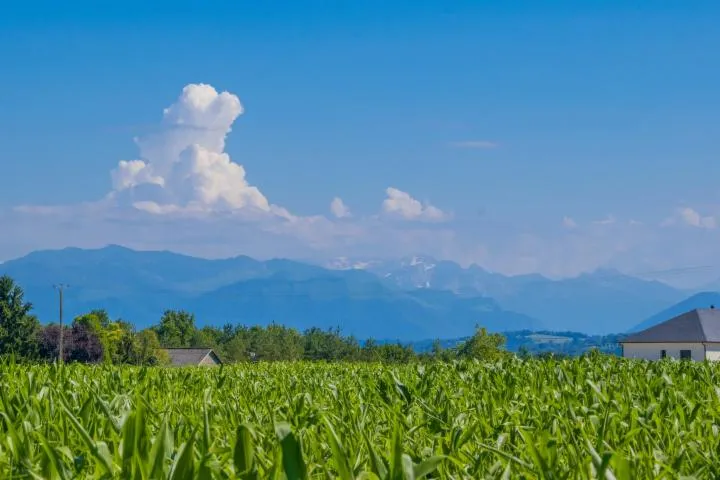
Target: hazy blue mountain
(604, 301)
(359, 305)
(121, 268)
(699, 300)
(139, 286)
(601, 302)
(415, 297)
(712, 286)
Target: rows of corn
(585, 418)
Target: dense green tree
(274, 342)
(126, 349)
(176, 329)
(438, 353)
(387, 352)
(93, 323)
(523, 352)
(395, 353)
(437, 348)
(483, 346)
(206, 337)
(369, 351)
(236, 349)
(18, 328)
(116, 337)
(148, 350)
(102, 316)
(329, 345)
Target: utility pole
(61, 288)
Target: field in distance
(592, 417)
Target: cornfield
(585, 418)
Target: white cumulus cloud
(339, 209)
(609, 220)
(183, 166)
(401, 204)
(691, 217)
(131, 173)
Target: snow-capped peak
(345, 263)
(417, 261)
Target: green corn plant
(586, 418)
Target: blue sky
(523, 123)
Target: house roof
(190, 356)
(695, 326)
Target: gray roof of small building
(189, 356)
(695, 326)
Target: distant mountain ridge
(600, 302)
(360, 306)
(139, 286)
(699, 300)
(412, 298)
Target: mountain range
(411, 299)
(605, 301)
(699, 300)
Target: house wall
(208, 360)
(713, 351)
(651, 351)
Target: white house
(694, 335)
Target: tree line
(96, 338)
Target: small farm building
(180, 357)
(694, 335)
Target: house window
(685, 355)
(663, 353)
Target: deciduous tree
(148, 349)
(176, 329)
(483, 346)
